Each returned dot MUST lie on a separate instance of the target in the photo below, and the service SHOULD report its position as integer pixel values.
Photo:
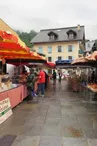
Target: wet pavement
(61, 118)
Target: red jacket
(41, 77)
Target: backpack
(30, 78)
(30, 83)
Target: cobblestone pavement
(59, 119)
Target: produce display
(92, 87)
(6, 83)
(19, 79)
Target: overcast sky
(26, 15)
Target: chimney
(78, 27)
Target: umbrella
(7, 36)
(92, 56)
(51, 64)
(80, 60)
(12, 47)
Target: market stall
(14, 51)
(83, 80)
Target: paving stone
(54, 114)
(71, 131)
(51, 129)
(32, 130)
(68, 113)
(86, 123)
(90, 134)
(67, 121)
(70, 107)
(62, 114)
(7, 140)
(95, 125)
(74, 142)
(14, 130)
(53, 121)
(26, 141)
(92, 142)
(35, 120)
(50, 141)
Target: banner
(5, 110)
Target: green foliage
(27, 37)
(80, 51)
(96, 41)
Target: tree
(27, 37)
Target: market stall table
(89, 94)
(16, 95)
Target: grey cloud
(38, 14)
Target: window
(59, 58)
(51, 37)
(70, 48)
(49, 49)
(59, 48)
(49, 59)
(40, 50)
(71, 36)
(70, 57)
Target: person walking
(93, 77)
(41, 81)
(54, 77)
(46, 79)
(60, 75)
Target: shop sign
(5, 110)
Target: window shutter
(66, 58)
(62, 58)
(72, 48)
(67, 49)
(56, 58)
(57, 49)
(72, 57)
(62, 49)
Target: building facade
(61, 43)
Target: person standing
(60, 75)
(93, 77)
(36, 87)
(46, 79)
(30, 84)
(41, 81)
(54, 77)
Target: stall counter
(16, 95)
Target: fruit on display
(92, 86)
(22, 79)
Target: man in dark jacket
(30, 84)
(54, 77)
(46, 79)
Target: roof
(42, 36)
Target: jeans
(42, 87)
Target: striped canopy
(11, 47)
